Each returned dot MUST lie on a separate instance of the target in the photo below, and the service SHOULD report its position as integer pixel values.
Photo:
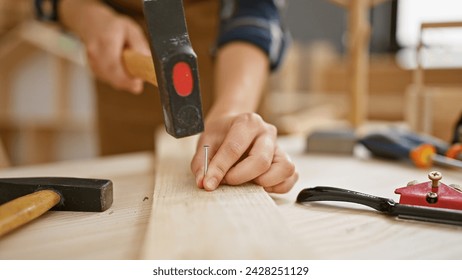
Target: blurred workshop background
(408, 54)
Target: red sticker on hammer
(182, 79)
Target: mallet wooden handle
(22, 210)
(139, 66)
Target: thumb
(137, 41)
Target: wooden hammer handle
(139, 66)
(22, 210)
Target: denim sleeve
(257, 22)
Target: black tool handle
(419, 139)
(457, 137)
(397, 144)
(337, 194)
(388, 145)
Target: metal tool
(176, 71)
(24, 199)
(422, 151)
(415, 202)
(206, 159)
(432, 194)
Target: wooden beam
(4, 161)
(449, 24)
(358, 50)
(51, 39)
(346, 3)
(358, 53)
(186, 222)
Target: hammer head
(77, 194)
(176, 67)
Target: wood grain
(186, 222)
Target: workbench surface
(327, 230)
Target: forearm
(241, 72)
(79, 16)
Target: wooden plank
(240, 222)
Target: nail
(206, 159)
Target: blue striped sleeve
(257, 22)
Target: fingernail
(211, 184)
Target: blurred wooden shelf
(17, 46)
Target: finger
(281, 169)
(255, 164)
(234, 146)
(285, 186)
(105, 56)
(197, 169)
(105, 52)
(200, 178)
(137, 41)
(106, 63)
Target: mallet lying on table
(24, 199)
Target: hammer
(175, 64)
(24, 199)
